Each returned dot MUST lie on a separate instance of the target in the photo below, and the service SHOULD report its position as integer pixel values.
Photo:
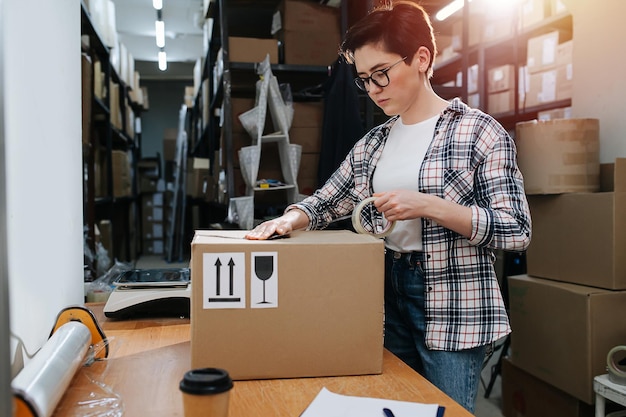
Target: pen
(388, 412)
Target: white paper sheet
(328, 404)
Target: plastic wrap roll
(616, 365)
(45, 378)
(356, 220)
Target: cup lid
(206, 381)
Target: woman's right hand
(283, 225)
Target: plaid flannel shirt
(471, 161)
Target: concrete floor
(492, 406)
(485, 407)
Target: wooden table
(148, 357)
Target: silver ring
(356, 220)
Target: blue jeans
(457, 373)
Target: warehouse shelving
(241, 18)
(508, 49)
(102, 203)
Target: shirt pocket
(459, 186)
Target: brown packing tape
(579, 182)
(580, 158)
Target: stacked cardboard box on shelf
(310, 33)
(501, 89)
(306, 130)
(122, 174)
(153, 222)
(566, 310)
(548, 74)
(152, 188)
(199, 182)
(252, 49)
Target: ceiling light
(162, 60)
(450, 9)
(159, 25)
(157, 4)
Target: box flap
(620, 175)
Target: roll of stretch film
(42, 382)
(356, 220)
(75, 336)
(616, 365)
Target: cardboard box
(542, 51)
(495, 29)
(198, 177)
(152, 200)
(153, 230)
(189, 96)
(304, 320)
(565, 53)
(523, 395)
(308, 114)
(564, 81)
(311, 48)
(122, 175)
(307, 174)
(549, 86)
(151, 185)
(559, 156)
(306, 16)
(501, 102)
(501, 78)
(154, 246)
(310, 138)
(560, 113)
(542, 88)
(557, 7)
(472, 79)
(169, 144)
(475, 31)
(252, 49)
(581, 237)
(149, 211)
(563, 332)
(533, 11)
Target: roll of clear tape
(616, 365)
(356, 220)
(43, 381)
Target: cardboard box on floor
(581, 237)
(306, 306)
(523, 395)
(563, 332)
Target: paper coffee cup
(206, 392)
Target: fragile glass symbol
(264, 269)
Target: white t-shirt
(398, 169)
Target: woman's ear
(422, 58)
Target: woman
(447, 176)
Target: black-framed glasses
(378, 77)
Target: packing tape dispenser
(616, 365)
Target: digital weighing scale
(150, 292)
